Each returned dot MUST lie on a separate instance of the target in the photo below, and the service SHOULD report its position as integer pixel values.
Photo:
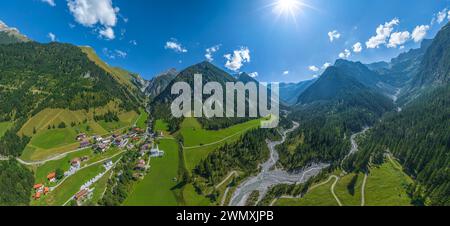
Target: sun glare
(287, 7)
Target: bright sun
(287, 7)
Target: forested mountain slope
(330, 111)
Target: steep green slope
(39, 76)
(419, 137)
(290, 92)
(435, 67)
(131, 81)
(330, 111)
(10, 35)
(161, 104)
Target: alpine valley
(75, 131)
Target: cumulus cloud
(50, 2)
(313, 68)
(440, 17)
(332, 35)
(346, 54)
(285, 72)
(210, 52)
(51, 36)
(420, 32)
(383, 32)
(254, 74)
(357, 47)
(90, 13)
(236, 60)
(326, 65)
(175, 46)
(398, 39)
(107, 33)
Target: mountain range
(405, 102)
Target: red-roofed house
(51, 177)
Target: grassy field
(70, 186)
(4, 126)
(199, 142)
(141, 122)
(345, 195)
(42, 171)
(320, 196)
(156, 188)
(122, 76)
(161, 126)
(385, 186)
(191, 198)
(48, 142)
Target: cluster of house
(83, 195)
(85, 192)
(101, 144)
(75, 165)
(83, 139)
(141, 165)
(153, 152)
(41, 189)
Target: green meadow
(319, 196)
(142, 120)
(156, 189)
(198, 142)
(48, 141)
(161, 126)
(4, 126)
(385, 186)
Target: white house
(155, 152)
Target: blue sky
(151, 36)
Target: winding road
(268, 177)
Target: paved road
(363, 190)
(84, 167)
(332, 190)
(234, 173)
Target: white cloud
(440, 17)
(383, 33)
(236, 60)
(50, 2)
(254, 74)
(114, 54)
(285, 72)
(346, 54)
(133, 42)
(420, 32)
(90, 13)
(175, 46)
(51, 36)
(332, 35)
(107, 33)
(357, 47)
(398, 39)
(326, 65)
(210, 52)
(313, 68)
